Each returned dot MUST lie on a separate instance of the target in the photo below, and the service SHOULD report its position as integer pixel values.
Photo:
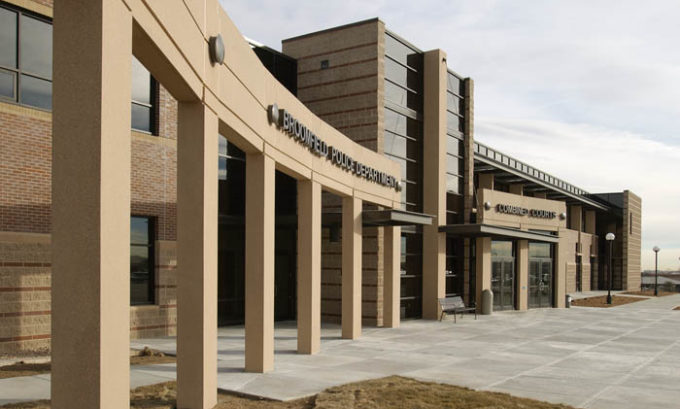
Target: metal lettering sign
(296, 129)
(522, 211)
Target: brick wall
(25, 204)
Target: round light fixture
(610, 236)
(487, 205)
(216, 49)
(273, 114)
(656, 249)
(563, 216)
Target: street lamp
(656, 270)
(610, 238)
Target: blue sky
(587, 91)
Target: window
(143, 98)
(141, 261)
(25, 59)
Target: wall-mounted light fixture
(216, 49)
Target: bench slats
(454, 305)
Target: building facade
(472, 218)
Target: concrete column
(434, 181)
(392, 287)
(590, 221)
(351, 267)
(260, 185)
(483, 268)
(522, 274)
(197, 141)
(91, 205)
(309, 267)
(486, 181)
(517, 189)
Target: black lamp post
(656, 270)
(610, 238)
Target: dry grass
(649, 293)
(21, 368)
(387, 393)
(601, 301)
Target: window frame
(18, 71)
(151, 246)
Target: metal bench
(456, 306)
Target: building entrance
(503, 275)
(540, 275)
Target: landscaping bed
(21, 368)
(393, 392)
(601, 301)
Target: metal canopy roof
(511, 170)
(389, 217)
(395, 217)
(487, 230)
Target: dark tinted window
(141, 261)
(35, 45)
(25, 59)
(8, 38)
(36, 92)
(143, 93)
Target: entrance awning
(487, 230)
(395, 217)
(389, 217)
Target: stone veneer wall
(632, 240)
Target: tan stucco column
(91, 205)
(392, 287)
(483, 268)
(351, 267)
(260, 185)
(522, 274)
(434, 181)
(309, 267)
(197, 142)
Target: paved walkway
(622, 357)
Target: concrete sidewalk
(622, 357)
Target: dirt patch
(677, 308)
(649, 293)
(393, 392)
(601, 301)
(21, 368)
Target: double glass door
(503, 275)
(540, 275)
